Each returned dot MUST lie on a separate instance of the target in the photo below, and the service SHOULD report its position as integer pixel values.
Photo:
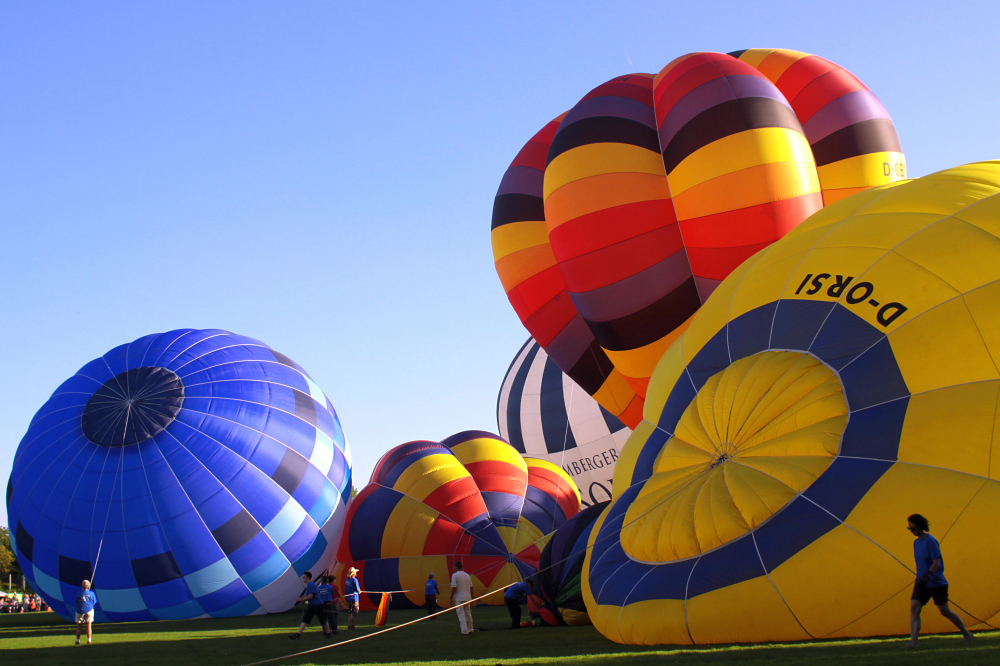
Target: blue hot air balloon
(191, 473)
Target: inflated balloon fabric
(558, 582)
(471, 498)
(655, 188)
(835, 383)
(545, 414)
(191, 473)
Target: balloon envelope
(190, 473)
(837, 382)
(545, 414)
(471, 498)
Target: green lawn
(43, 638)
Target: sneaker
(78, 641)
(329, 635)
(295, 637)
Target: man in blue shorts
(314, 607)
(352, 596)
(85, 602)
(431, 595)
(930, 583)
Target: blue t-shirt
(85, 601)
(314, 591)
(431, 586)
(517, 592)
(925, 551)
(326, 593)
(352, 588)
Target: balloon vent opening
(756, 435)
(132, 407)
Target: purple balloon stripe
(616, 107)
(710, 94)
(570, 344)
(522, 180)
(634, 293)
(848, 109)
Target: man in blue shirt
(431, 595)
(514, 596)
(314, 607)
(352, 596)
(930, 583)
(328, 593)
(85, 602)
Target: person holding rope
(352, 596)
(314, 607)
(85, 602)
(930, 583)
(462, 591)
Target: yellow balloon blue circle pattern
(836, 382)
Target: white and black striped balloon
(545, 414)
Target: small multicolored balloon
(471, 498)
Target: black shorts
(311, 611)
(923, 594)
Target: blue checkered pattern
(191, 473)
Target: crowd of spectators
(22, 603)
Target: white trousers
(464, 616)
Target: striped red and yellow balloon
(618, 219)
(471, 498)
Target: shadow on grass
(236, 641)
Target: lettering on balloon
(854, 293)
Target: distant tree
(8, 563)
(354, 491)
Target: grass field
(44, 638)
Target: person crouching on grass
(930, 583)
(85, 602)
(314, 607)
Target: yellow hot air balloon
(835, 383)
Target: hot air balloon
(558, 597)
(189, 473)
(654, 188)
(545, 414)
(837, 382)
(471, 498)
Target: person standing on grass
(314, 607)
(85, 602)
(431, 595)
(514, 596)
(328, 593)
(930, 583)
(462, 591)
(352, 596)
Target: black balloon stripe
(868, 136)
(722, 120)
(650, 323)
(513, 207)
(602, 129)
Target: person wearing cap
(431, 594)
(462, 591)
(85, 602)
(352, 596)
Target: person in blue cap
(930, 583)
(85, 602)
(314, 607)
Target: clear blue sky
(321, 176)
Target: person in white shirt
(461, 590)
